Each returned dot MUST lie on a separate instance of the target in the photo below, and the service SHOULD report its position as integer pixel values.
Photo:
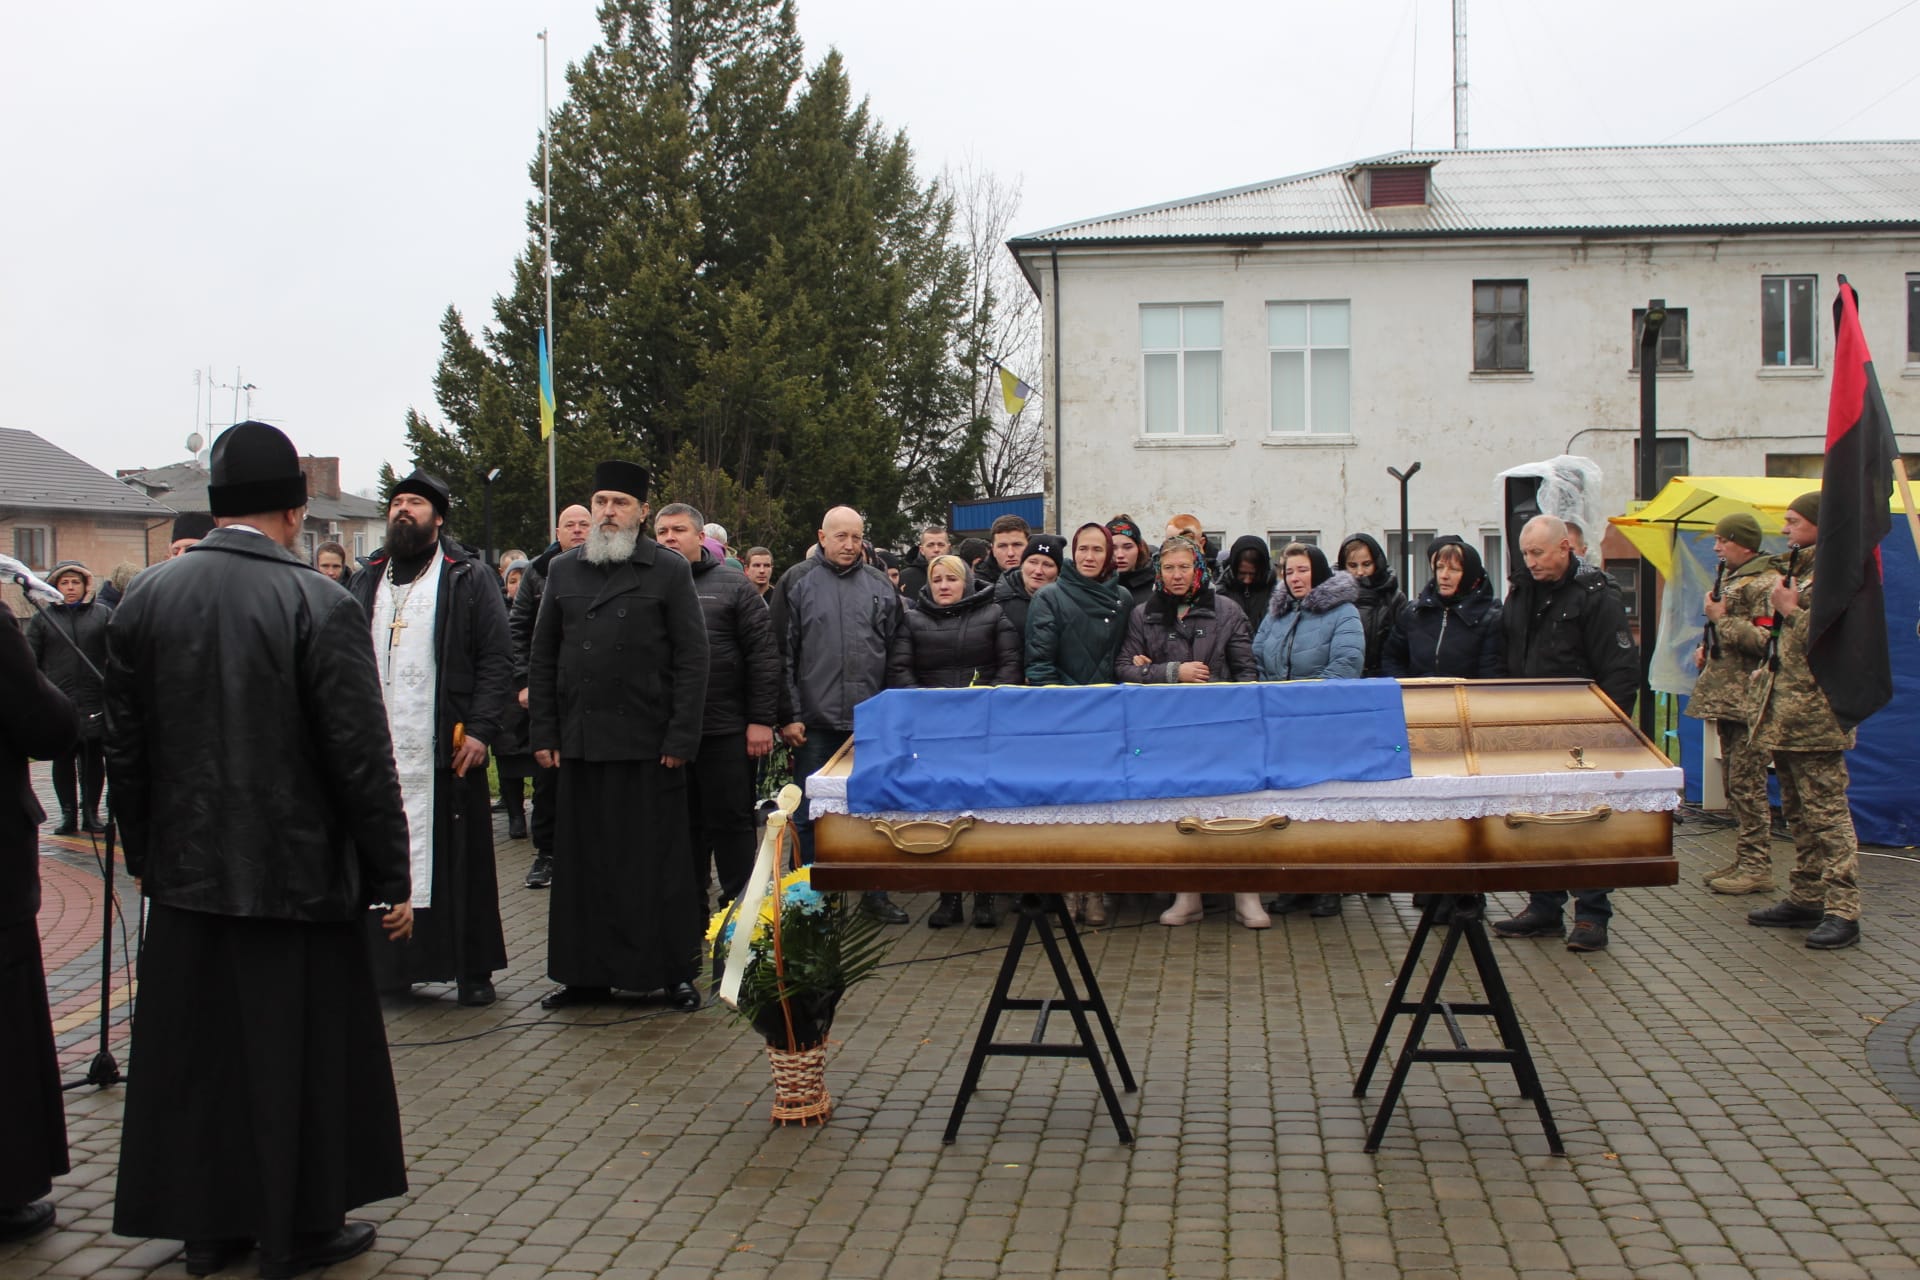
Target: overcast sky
(298, 191)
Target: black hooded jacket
(743, 663)
(1380, 602)
(1572, 626)
(1457, 635)
(954, 646)
(1253, 600)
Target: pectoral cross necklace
(402, 592)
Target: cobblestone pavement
(1719, 1088)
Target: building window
(360, 545)
(1500, 326)
(1418, 570)
(33, 546)
(1310, 370)
(1494, 558)
(1626, 576)
(1180, 369)
(1913, 319)
(1788, 329)
(1670, 459)
(1673, 338)
(1811, 466)
(1277, 539)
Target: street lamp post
(486, 511)
(1643, 489)
(1406, 536)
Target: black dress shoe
(475, 992)
(683, 996)
(1325, 904)
(21, 1221)
(68, 825)
(882, 908)
(1531, 924)
(562, 997)
(1286, 902)
(1786, 914)
(1833, 933)
(516, 825)
(94, 825)
(318, 1250)
(540, 874)
(204, 1257)
(947, 911)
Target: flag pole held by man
(253, 777)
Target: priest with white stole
(446, 672)
(617, 685)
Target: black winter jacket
(526, 609)
(86, 625)
(1573, 626)
(251, 767)
(743, 663)
(618, 669)
(1461, 637)
(473, 653)
(1139, 580)
(1253, 600)
(1379, 602)
(1010, 593)
(955, 646)
(1214, 632)
(36, 723)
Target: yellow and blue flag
(1013, 391)
(546, 388)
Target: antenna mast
(1459, 75)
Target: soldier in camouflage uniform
(1720, 695)
(1792, 719)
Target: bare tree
(1001, 323)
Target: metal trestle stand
(1038, 914)
(1465, 922)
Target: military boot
(1750, 876)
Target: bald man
(1563, 618)
(575, 523)
(834, 616)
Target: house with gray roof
(356, 523)
(54, 507)
(1260, 356)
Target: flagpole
(546, 214)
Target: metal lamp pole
(1406, 535)
(1643, 489)
(486, 509)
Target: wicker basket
(800, 1085)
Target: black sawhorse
(1466, 921)
(1037, 913)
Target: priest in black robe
(617, 677)
(441, 645)
(36, 722)
(254, 782)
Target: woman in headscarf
(1074, 631)
(1453, 629)
(955, 637)
(1312, 632)
(1380, 600)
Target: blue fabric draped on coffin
(918, 750)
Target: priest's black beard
(604, 547)
(408, 540)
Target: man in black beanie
(446, 672)
(254, 782)
(617, 684)
(188, 528)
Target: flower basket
(786, 953)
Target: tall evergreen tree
(753, 293)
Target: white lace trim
(1402, 800)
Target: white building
(1259, 357)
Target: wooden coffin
(1517, 784)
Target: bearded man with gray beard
(616, 687)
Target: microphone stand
(104, 1070)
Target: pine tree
(753, 294)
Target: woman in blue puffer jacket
(1312, 630)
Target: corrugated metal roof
(971, 517)
(1787, 185)
(36, 475)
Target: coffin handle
(1568, 818)
(922, 836)
(1231, 826)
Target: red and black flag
(1847, 626)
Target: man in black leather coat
(254, 781)
(569, 533)
(36, 722)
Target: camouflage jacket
(1787, 710)
(1722, 689)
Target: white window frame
(1277, 539)
(1493, 559)
(1418, 570)
(1786, 321)
(1181, 430)
(359, 545)
(1310, 431)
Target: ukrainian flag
(546, 388)
(1012, 390)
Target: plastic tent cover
(1569, 489)
(1697, 503)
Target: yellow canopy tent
(1697, 503)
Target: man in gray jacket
(835, 616)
